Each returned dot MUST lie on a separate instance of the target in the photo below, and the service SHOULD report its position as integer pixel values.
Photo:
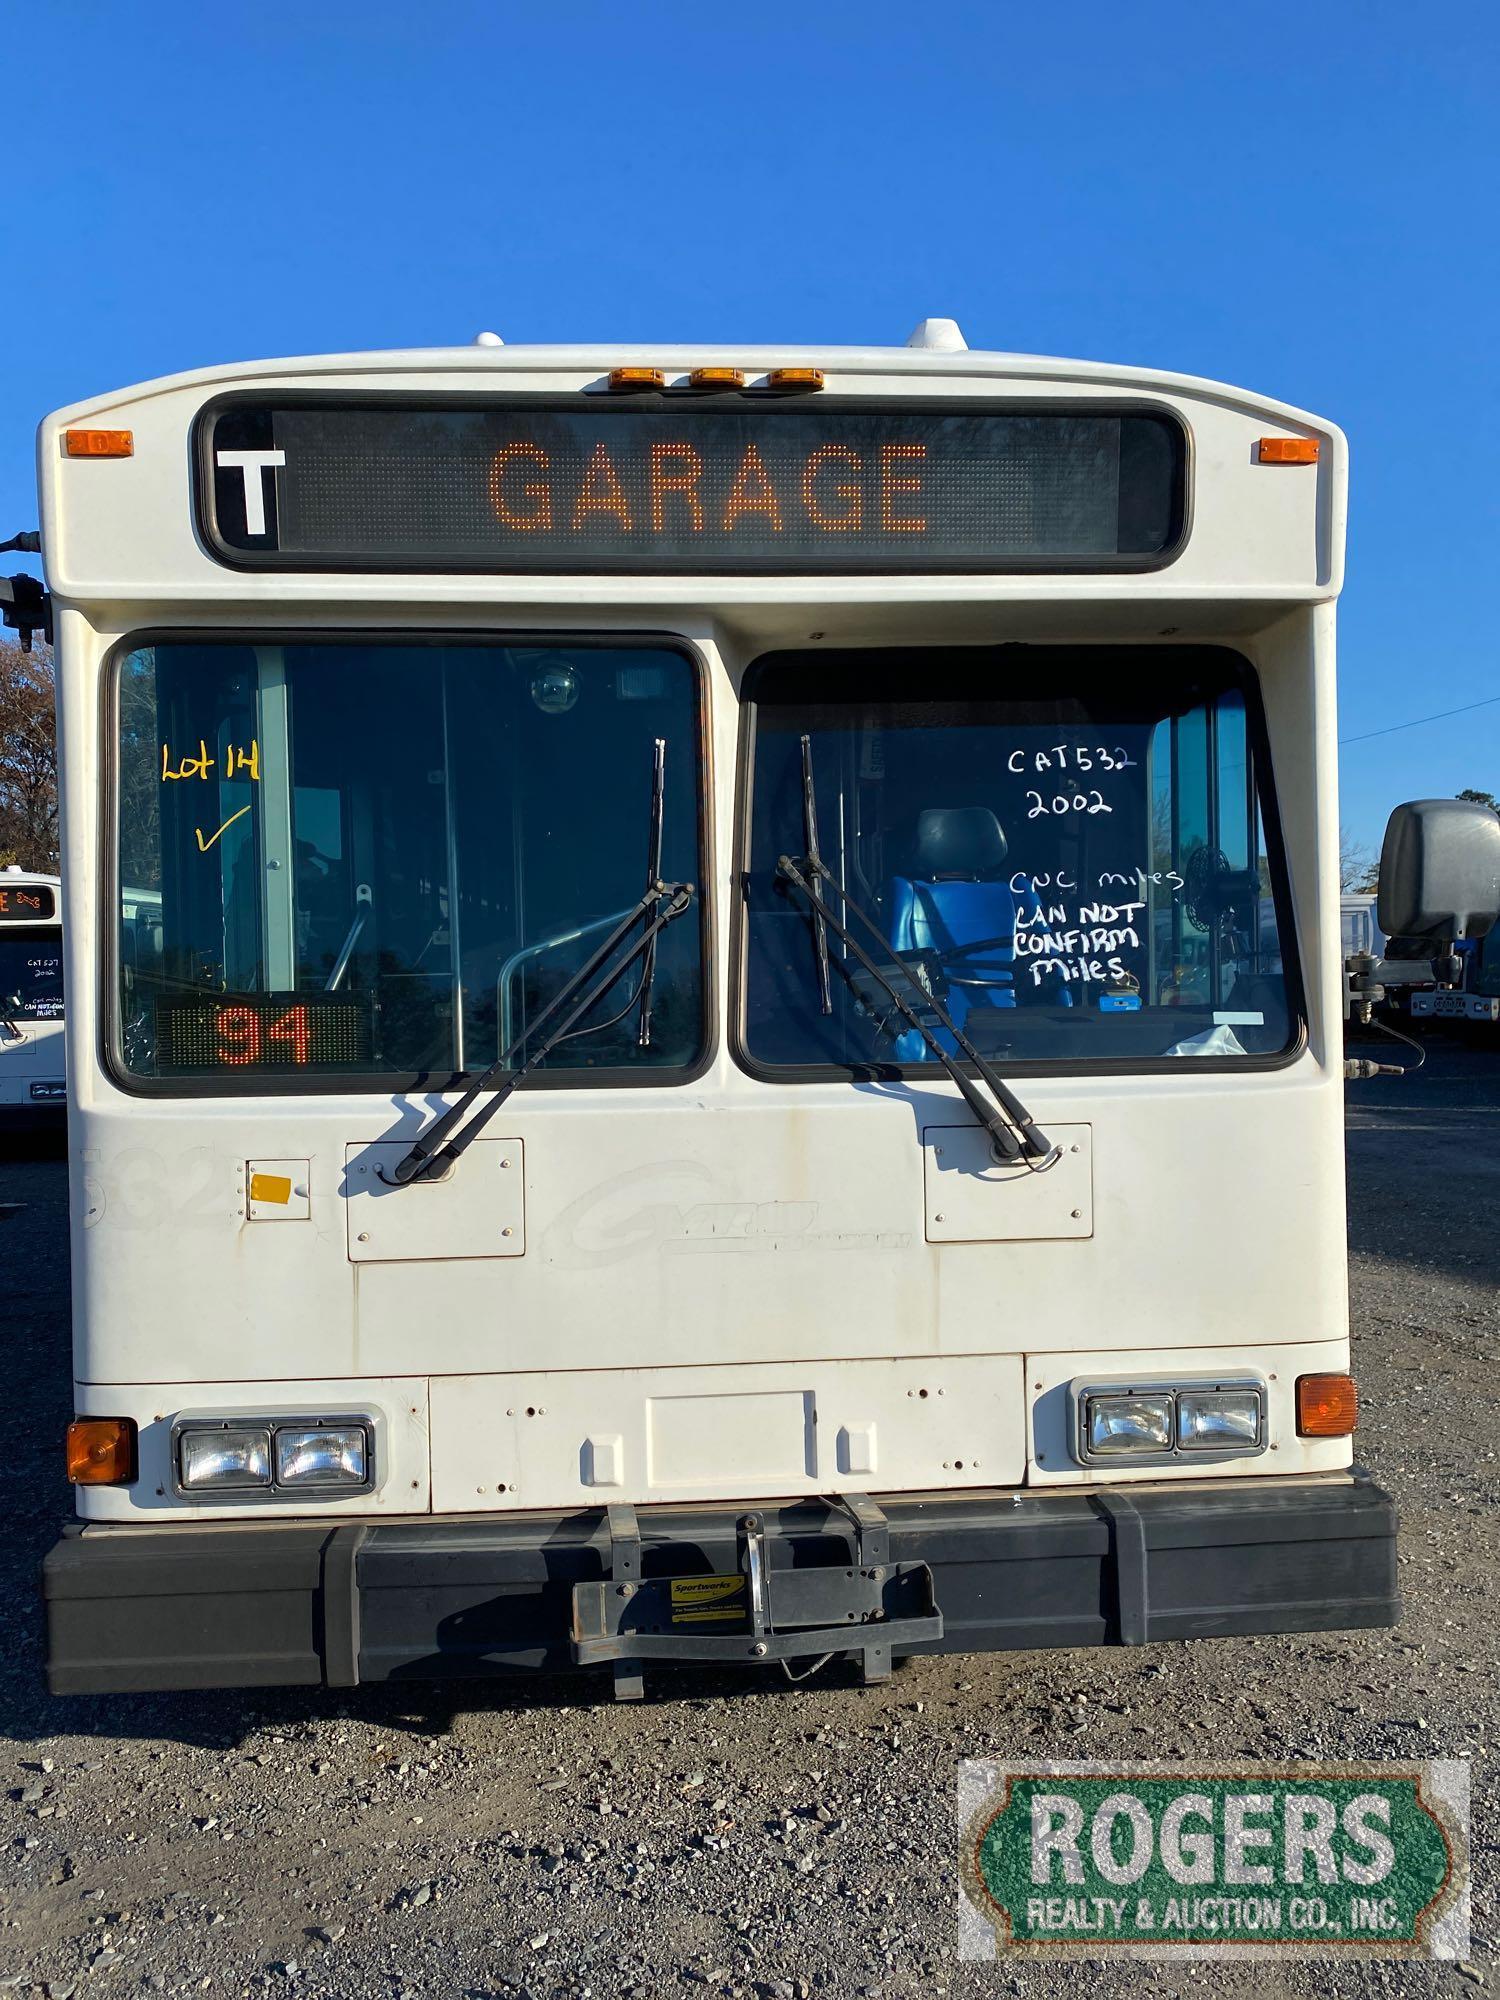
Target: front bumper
(338, 1603)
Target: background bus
(33, 1086)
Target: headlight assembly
(235, 1456)
(1166, 1422)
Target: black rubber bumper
(306, 1604)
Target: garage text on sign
(570, 485)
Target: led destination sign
(754, 485)
(26, 902)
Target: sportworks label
(1230, 1861)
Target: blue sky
(1299, 199)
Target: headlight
(1143, 1423)
(1218, 1419)
(328, 1455)
(1125, 1425)
(321, 1457)
(224, 1456)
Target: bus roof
(481, 359)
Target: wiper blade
(815, 864)
(1010, 1125)
(433, 1151)
(653, 874)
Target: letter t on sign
(252, 465)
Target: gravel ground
(732, 1836)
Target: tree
(28, 758)
(1359, 867)
(1481, 799)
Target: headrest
(959, 840)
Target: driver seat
(957, 902)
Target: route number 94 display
(289, 1031)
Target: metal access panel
(971, 1197)
(477, 1209)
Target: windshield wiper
(432, 1152)
(1010, 1125)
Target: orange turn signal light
(1287, 451)
(1327, 1406)
(101, 1451)
(717, 378)
(795, 378)
(99, 444)
(637, 378)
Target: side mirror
(1440, 871)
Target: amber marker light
(1327, 1406)
(717, 378)
(624, 379)
(99, 444)
(795, 378)
(101, 1451)
(1287, 451)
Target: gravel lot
(744, 1837)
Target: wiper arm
(433, 1151)
(1032, 1144)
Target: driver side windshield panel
(1064, 844)
(383, 859)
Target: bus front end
(705, 1016)
(33, 1086)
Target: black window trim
(640, 562)
(1244, 675)
(330, 1083)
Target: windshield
(31, 975)
(1065, 842)
(381, 859)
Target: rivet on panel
(363, 1237)
(1077, 1216)
(940, 1218)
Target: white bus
(33, 1087)
(736, 1052)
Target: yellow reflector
(99, 444)
(795, 378)
(101, 1451)
(270, 1187)
(1288, 451)
(717, 378)
(1327, 1406)
(637, 378)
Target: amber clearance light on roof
(717, 378)
(795, 378)
(99, 444)
(1287, 451)
(636, 378)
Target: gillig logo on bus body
(834, 489)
